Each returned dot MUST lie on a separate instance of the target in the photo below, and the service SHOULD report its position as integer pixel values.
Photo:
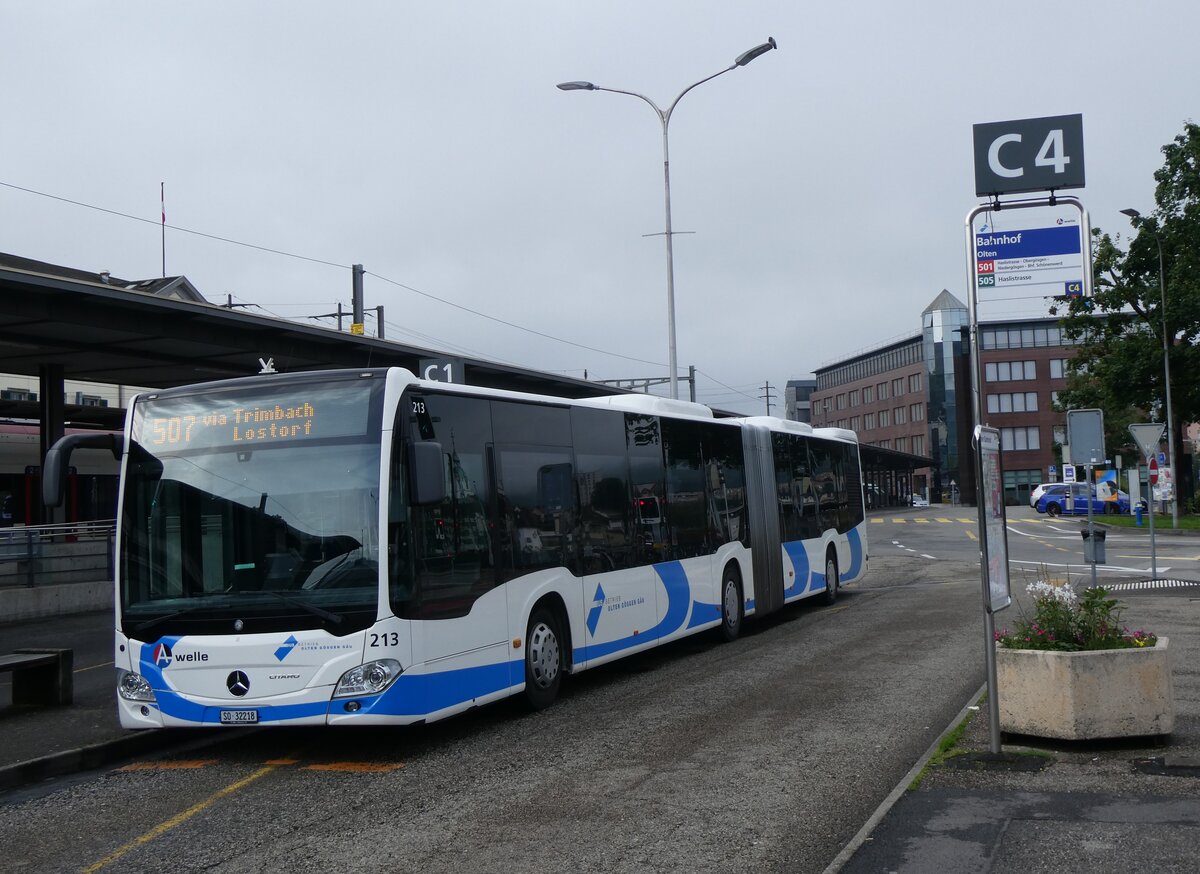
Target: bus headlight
(133, 687)
(369, 679)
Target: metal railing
(63, 553)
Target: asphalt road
(1035, 541)
(767, 754)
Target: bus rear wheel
(543, 659)
(832, 583)
(731, 605)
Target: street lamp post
(1162, 289)
(665, 117)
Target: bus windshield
(253, 510)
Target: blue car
(1054, 501)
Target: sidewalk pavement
(39, 743)
(1092, 808)
(1077, 808)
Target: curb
(85, 758)
(888, 803)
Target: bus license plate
(239, 717)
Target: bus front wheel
(543, 659)
(832, 583)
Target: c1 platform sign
(1046, 260)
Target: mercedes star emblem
(238, 683)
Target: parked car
(919, 501)
(1038, 491)
(1054, 501)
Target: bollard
(1137, 514)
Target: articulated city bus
(364, 547)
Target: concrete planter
(1086, 695)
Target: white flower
(1064, 594)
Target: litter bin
(1093, 545)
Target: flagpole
(163, 201)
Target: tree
(1119, 331)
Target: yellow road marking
(876, 521)
(921, 521)
(899, 521)
(356, 767)
(179, 819)
(972, 534)
(968, 520)
(93, 667)
(172, 765)
(943, 519)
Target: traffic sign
(1162, 458)
(1068, 473)
(1028, 154)
(1026, 257)
(1147, 437)
(1085, 433)
(1153, 471)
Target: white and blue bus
(366, 547)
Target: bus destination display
(216, 421)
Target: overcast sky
(826, 183)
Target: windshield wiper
(311, 608)
(159, 620)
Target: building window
(885, 444)
(854, 398)
(897, 386)
(918, 444)
(868, 395)
(914, 382)
(1009, 371)
(901, 444)
(917, 412)
(882, 391)
(1058, 368)
(1019, 439)
(1018, 402)
(841, 402)
(884, 419)
(869, 422)
(827, 404)
(855, 423)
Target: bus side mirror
(58, 461)
(426, 473)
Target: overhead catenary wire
(388, 322)
(328, 263)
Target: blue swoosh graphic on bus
(594, 614)
(854, 539)
(799, 555)
(702, 613)
(674, 579)
(419, 694)
(679, 597)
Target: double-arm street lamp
(1162, 288)
(665, 117)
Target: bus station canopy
(91, 327)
